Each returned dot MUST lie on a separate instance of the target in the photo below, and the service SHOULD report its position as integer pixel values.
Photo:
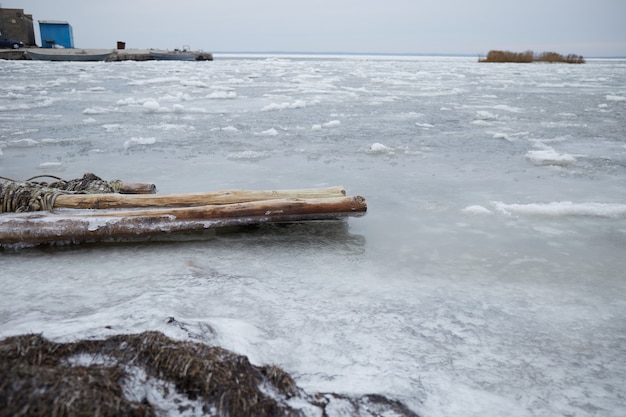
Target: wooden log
(286, 206)
(73, 226)
(108, 201)
(136, 188)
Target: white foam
(222, 95)
(54, 166)
(550, 157)
(128, 101)
(563, 208)
(139, 141)
(508, 108)
(239, 336)
(152, 106)
(298, 104)
(160, 394)
(485, 115)
(225, 129)
(55, 141)
(332, 123)
(158, 80)
(25, 131)
(13, 96)
(111, 127)
(236, 81)
(88, 359)
(194, 83)
(175, 96)
(476, 209)
(268, 132)
(97, 110)
(172, 126)
(481, 123)
(615, 98)
(380, 148)
(22, 143)
(499, 135)
(248, 155)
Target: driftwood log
(71, 216)
(113, 200)
(136, 188)
(75, 226)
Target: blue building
(56, 32)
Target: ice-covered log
(74, 226)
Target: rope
(20, 197)
(44, 176)
(88, 184)
(27, 196)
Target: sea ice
(438, 297)
(332, 123)
(379, 148)
(550, 157)
(152, 105)
(298, 104)
(222, 95)
(139, 141)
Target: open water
(488, 277)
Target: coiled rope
(27, 196)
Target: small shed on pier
(56, 33)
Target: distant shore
(530, 56)
(141, 54)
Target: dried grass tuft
(43, 378)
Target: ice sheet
(486, 279)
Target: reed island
(530, 56)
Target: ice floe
(563, 208)
(550, 157)
(297, 104)
(139, 141)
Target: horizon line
(450, 54)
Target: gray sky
(585, 27)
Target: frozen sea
(487, 279)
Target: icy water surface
(488, 277)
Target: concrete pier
(116, 54)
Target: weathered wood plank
(107, 201)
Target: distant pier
(116, 54)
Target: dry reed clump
(42, 378)
(530, 56)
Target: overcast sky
(585, 27)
